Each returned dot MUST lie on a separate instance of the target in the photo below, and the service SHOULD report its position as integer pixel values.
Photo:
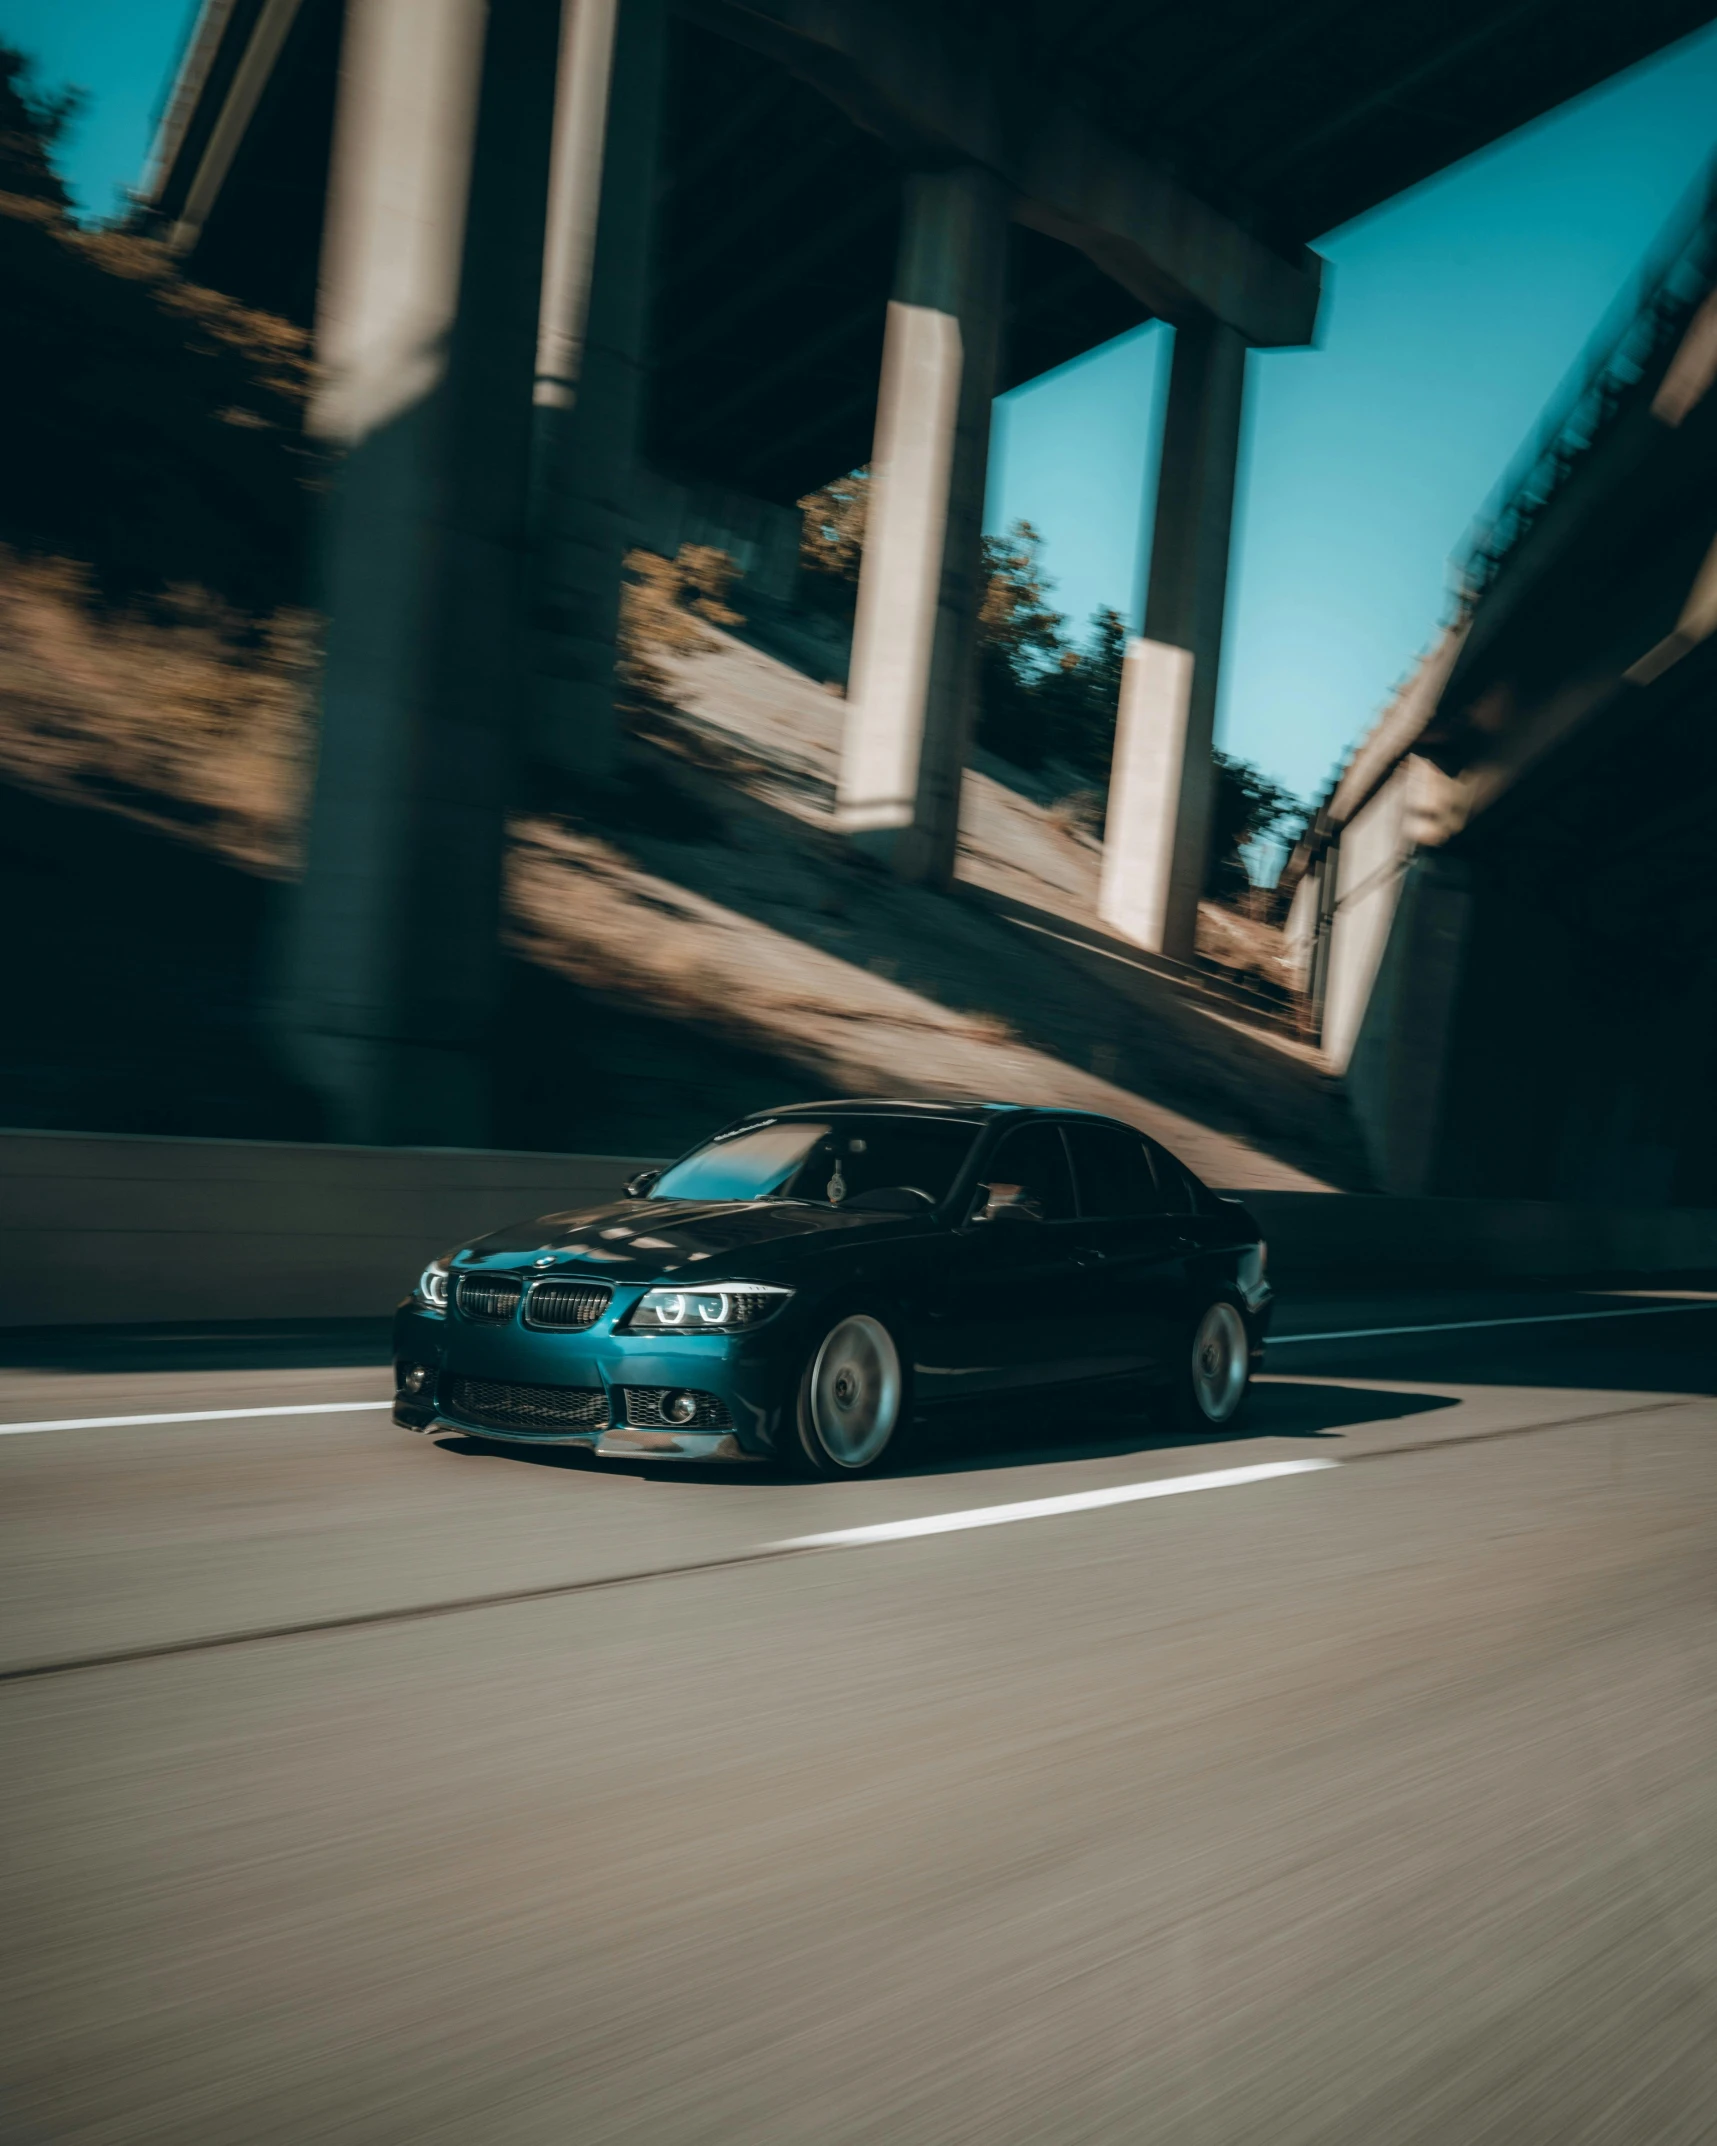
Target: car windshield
(832, 1160)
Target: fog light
(680, 1407)
(415, 1379)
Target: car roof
(903, 1107)
(890, 1106)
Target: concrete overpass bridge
(754, 243)
(1507, 902)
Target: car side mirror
(1006, 1203)
(637, 1187)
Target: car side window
(1029, 1170)
(1174, 1187)
(1112, 1170)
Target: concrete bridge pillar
(1156, 846)
(591, 361)
(913, 684)
(427, 333)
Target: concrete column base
(391, 969)
(912, 695)
(1145, 792)
(1156, 848)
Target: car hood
(717, 1240)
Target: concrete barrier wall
(1322, 1237)
(97, 1230)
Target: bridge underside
(779, 215)
(778, 229)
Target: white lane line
(191, 1415)
(1078, 1501)
(1456, 1326)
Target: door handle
(1089, 1256)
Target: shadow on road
(1019, 1435)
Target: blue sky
(120, 53)
(1451, 315)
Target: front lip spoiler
(618, 1442)
(621, 1442)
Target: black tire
(853, 1400)
(1214, 1379)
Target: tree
(1021, 649)
(1021, 646)
(1249, 807)
(831, 542)
(1042, 697)
(1083, 697)
(31, 128)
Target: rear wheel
(852, 1397)
(1210, 1390)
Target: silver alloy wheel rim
(855, 1392)
(1219, 1363)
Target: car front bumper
(742, 1372)
(619, 1441)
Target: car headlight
(431, 1290)
(724, 1310)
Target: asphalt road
(361, 1788)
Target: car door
(1134, 1239)
(1209, 1228)
(1002, 1313)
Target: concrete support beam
(939, 92)
(913, 684)
(1156, 846)
(427, 337)
(256, 64)
(582, 82)
(591, 360)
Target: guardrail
(1647, 316)
(100, 1230)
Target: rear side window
(1112, 1170)
(1030, 1166)
(1177, 1193)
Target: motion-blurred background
(563, 578)
(570, 568)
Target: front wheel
(1211, 1389)
(852, 1397)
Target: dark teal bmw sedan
(811, 1281)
